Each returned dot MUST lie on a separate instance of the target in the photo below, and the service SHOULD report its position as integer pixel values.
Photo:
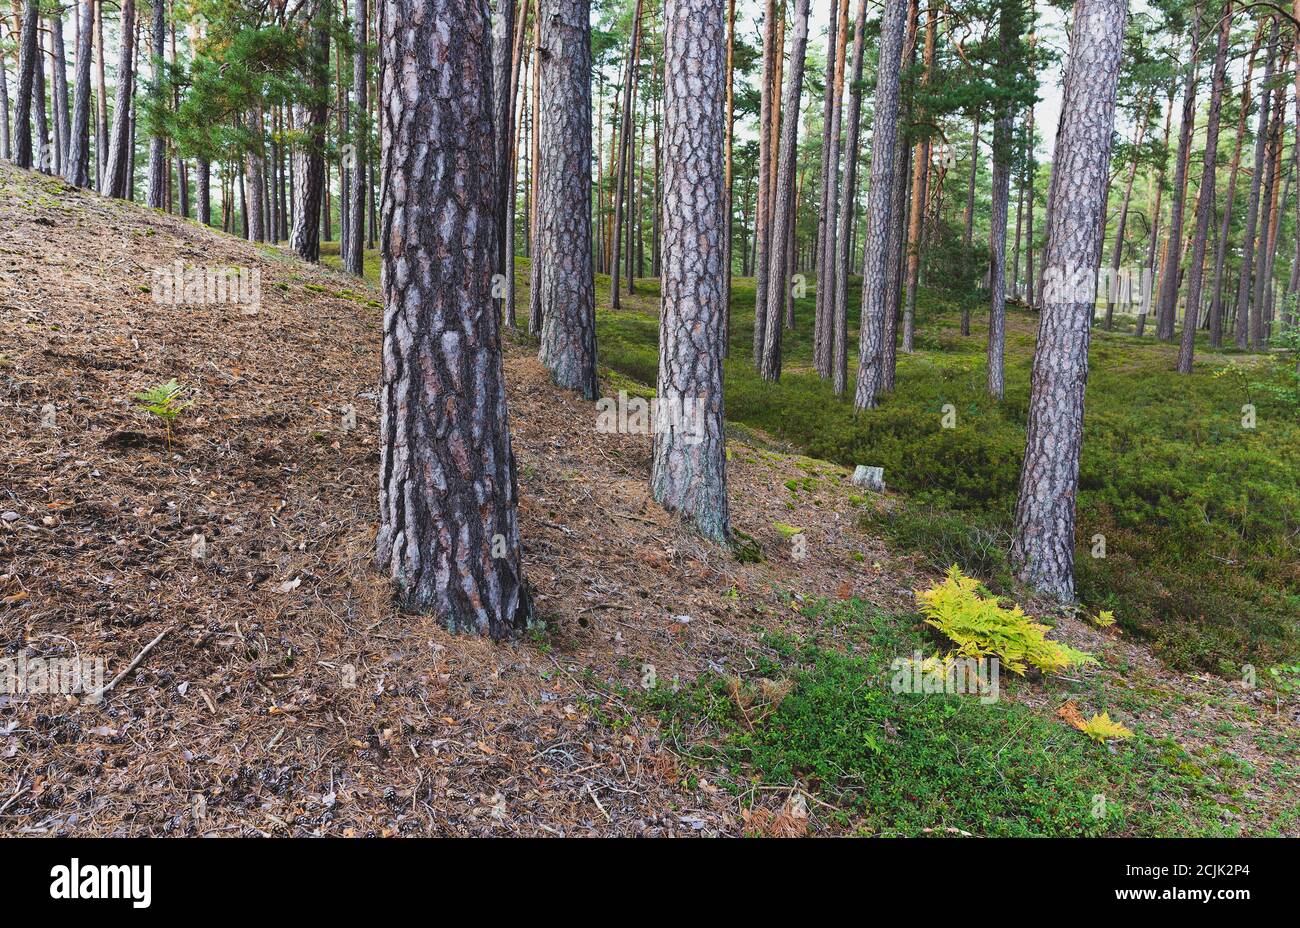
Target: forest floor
(287, 697)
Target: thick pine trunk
(255, 171)
(117, 170)
(59, 102)
(1205, 203)
(688, 473)
(879, 211)
(566, 287)
(28, 63)
(1043, 548)
(78, 166)
(448, 524)
(784, 200)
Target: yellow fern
(1100, 727)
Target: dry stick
(99, 693)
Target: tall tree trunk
(823, 332)
(59, 103)
(255, 171)
(117, 171)
(448, 519)
(503, 115)
(78, 166)
(305, 237)
(1268, 211)
(1030, 183)
(1167, 308)
(1042, 551)
(101, 102)
(1010, 19)
(896, 255)
(1143, 310)
(356, 221)
(968, 218)
(28, 62)
(848, 193)
(772, 52)
(6, 141)
(157, 143)
(1242, 323)
(730, 179)
(1205, 203)
(564, 206)
(884, 151)
(920, 181)
(783, 197)
(622, 178)
(688, 470)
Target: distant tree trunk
(310, 191)
(564, 209)
(255, 171)
(59, 103)
(1155, 218)
(356, 220)
(688, 472)
(117, 172)
(767, 104)
(1167, 308)
(783, 197)
(512, 167)
(1242, 325)
(28, 62)
(1117, 256)
(78, 165)
(968, 218)
(6, 141)
(43, 154)
(884, 150)
(920, 181)
(730, 180)
(1029, 182)
(1042, 551)
(623, 177)
(1205, 204)
(1268, 211)
(1225, 222)
(204, 182)
(896, 253)
(848, 193)
(1009, 23)
(448, 518)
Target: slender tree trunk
(884, 151)
(311, 176)
(1031, 180)
(968, 219)
(1167, 308)
(1143, 310)
(204, 182)
(1225, 222)
(78, 166)
(1009, 23)
(6, 141)
(101, 102)
(823, 325)
(448, 519)
(1268, 211)
(688, 470)
(1117, 256)
(920, 181)
(1042, 551)
(356, 218)
(848, 192)
(1205, 204)
(730, 179)
(1242, 322)
(896, 255)
(59, 104)
(622, 178)
(117, 172)
(157, 143)
(255, 172)
(783, 196)
(772, 52)
(564, 208)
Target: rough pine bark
(848, 193)
(823, 327)
(255, 172)
(884, 151)
(78, 165)
(1167, 308)
(1205, 203)
(688, 472)
(1263, 251)
(1042, 551)
(356, 220)
(157, 193)
(28, 62)
(998, 254)
(310, 158)
(566, 284)
(784, 199)
(117, 170)
(59, 99)
(203, 179)
(448, 524)
(771, 55)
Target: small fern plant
(166, 401)
(979, 627)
